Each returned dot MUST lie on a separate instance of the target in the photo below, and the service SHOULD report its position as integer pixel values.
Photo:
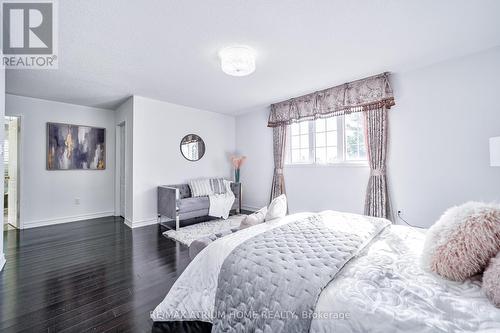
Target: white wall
(2, 114)
(254, 140)
(320, 188)
(440, 126)
(158, 128)
(439, 132)
(48, 197)
(153, 133)
(309, 188)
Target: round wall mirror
(192, 147)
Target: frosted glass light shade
(237, 60)
(495, 151)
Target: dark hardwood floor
(95, 275)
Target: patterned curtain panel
(279, 146)
(371, 93)
(377, 196)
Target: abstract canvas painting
(74, 147)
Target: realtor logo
(29, 38)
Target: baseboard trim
(128, 223)
(2, 261)
(43, 223)
(141, 223)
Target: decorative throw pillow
(253, 219)
(277, 208)
(460, 244)
(491, 280)
(200, 187)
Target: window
(300, 142)
(355, 149)
(327, 141)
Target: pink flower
(238, 161)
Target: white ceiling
(167, 50)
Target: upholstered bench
(176, 203)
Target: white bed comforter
(383, 289)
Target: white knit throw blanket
(220, 204)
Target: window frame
(341, 148)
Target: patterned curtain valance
(366, 94)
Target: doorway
(11, 172)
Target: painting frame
(100, 132)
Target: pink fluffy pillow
(461, 243)
(491, 280)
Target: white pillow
(277, 208)
(200, 187)
(253, 219)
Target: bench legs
(177, 222)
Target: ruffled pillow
(461, 243)
(277, 208)
(253, 219)
(491, 280)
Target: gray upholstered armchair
(176, 203)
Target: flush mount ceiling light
(237, 60)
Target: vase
(236, 175)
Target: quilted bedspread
(271, 282)
(381, 289)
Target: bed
(373, 284)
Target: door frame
(20, 131)
(118, 159)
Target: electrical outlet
(404, 219)
(77, 201)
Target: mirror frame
(204, 147)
